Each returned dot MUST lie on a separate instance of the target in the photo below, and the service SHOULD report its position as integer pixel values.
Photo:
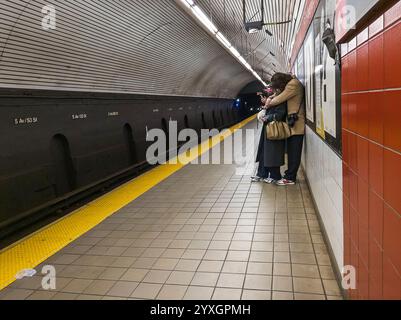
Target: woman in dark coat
(271, 153)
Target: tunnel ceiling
(135, 46)
(257, 47)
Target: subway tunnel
(129, 134)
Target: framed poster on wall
(322, 78)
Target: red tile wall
(371, 100)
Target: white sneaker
(285, 182)
(256, 179)
(268, 181)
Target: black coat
(272, 152)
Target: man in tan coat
(289, 89)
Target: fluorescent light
(203, 18)
(223, 40)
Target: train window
(222, 117)
(64, 171)
(130, 144)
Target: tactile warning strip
(39, 246)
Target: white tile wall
(323, 168)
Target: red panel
(352, 111)
(376, 163)
(392, 237)
(362, 67)
(363, 282)
(362, 114)
(376, 207)
(375, 270)
(352, 85)
(392, 178)
(345, 135)
(392, 67)
(353, 151)
(354, 228)
(393, 14)
(391, 282)
(363, 158)
(392, 116)
(376, 63)
(363, 211)
(345, 75)
(355, 264)
(353, 190)
(344, 106)
(346, 179)
(376, 116)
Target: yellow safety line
(39, 246)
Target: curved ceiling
(130, 46)
(267, 53)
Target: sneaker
(268, 181)
(285, 182)
(256, 179)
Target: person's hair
(280, 80)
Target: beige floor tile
(144, 263)
(327, 273)
(146, 291)
(228, 280)
(156, 276)
(256, 295)
(217, 255)
(77, 286)
(282, 284)
(41, 295)
(180, 277)
(210, 266)
(258, 282)
(196, 293)
(306, 296)
(262, 246)
(65, 296)
(261, 256)
(165, 264)
(282, 296)
(308, 285)
(234, 267)
(303, 258)
(16, 294)
(260, 268)
(112, 274)
(282, 269)
(305, 271)
(135, 275)
(331, 288)
(99, 287)
(227, 294)
(241, 245)
(238, 256)
(172, 292)
(122, 289)
(187, 265)
(193, 254)
(205, 279)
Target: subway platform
(203, 233)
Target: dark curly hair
(280, 80)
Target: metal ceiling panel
(130, 46)
(257, 47)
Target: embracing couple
(283, 102)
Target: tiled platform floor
(204, 233)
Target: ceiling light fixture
(255, 26)
(211, 27)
